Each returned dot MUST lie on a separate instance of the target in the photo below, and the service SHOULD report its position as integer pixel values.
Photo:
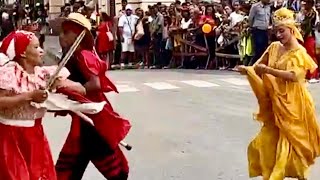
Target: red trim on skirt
(98, 144)
(85, 144)
(25, 153)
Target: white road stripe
(199, 83)
(126, 88)
(161, 85)
(236, 81)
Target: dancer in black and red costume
(99, 143)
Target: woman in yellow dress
(289, 140)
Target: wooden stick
(66, 59)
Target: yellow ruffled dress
(289, 140)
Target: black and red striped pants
(87, 145)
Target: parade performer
(289, 140)
(24, 151)
(307, 27)
(98, 143)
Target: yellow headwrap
(285, 17)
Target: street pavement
(186, 124)
(52, 48)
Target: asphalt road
(187, 124)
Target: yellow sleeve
(300, 63)
(265, 56)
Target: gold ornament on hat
(285, 17)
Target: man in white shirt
(236, 16)
(126, 25)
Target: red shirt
(208, 20)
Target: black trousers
(260, 43)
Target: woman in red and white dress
(24, 150)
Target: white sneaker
(312, 81)
(122, 66)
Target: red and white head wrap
(15, 44)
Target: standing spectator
(156, 35)
(245, 43)
(105, 39)
(307, 26)
(124, 4)
(142, 44)
(293, 5)
(166, 43)
(87, 10)
(211, 19)
(6, 25)
(62, 14)
(19, 15)
(194, 5)
(67, 10)
(277, 4)
(41, 20)
(186, 20)
(300, 15)
(126, 25)
(76, 6)
(228, 10)
(317, 31)
(236, 16)
(117, 42)
(259, 21)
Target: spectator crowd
(171, 36)
(30, 17)
(162, 36)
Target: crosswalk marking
(130, 86)
(233, 84)
(126, 88)
(236, 81)
(161, 85)
(199, 83)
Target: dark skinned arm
(93, 84)
(120, 29)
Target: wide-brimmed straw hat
(81, 20)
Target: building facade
(143, 4)
(111, 7)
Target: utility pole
(97, 14)
(112, 8)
